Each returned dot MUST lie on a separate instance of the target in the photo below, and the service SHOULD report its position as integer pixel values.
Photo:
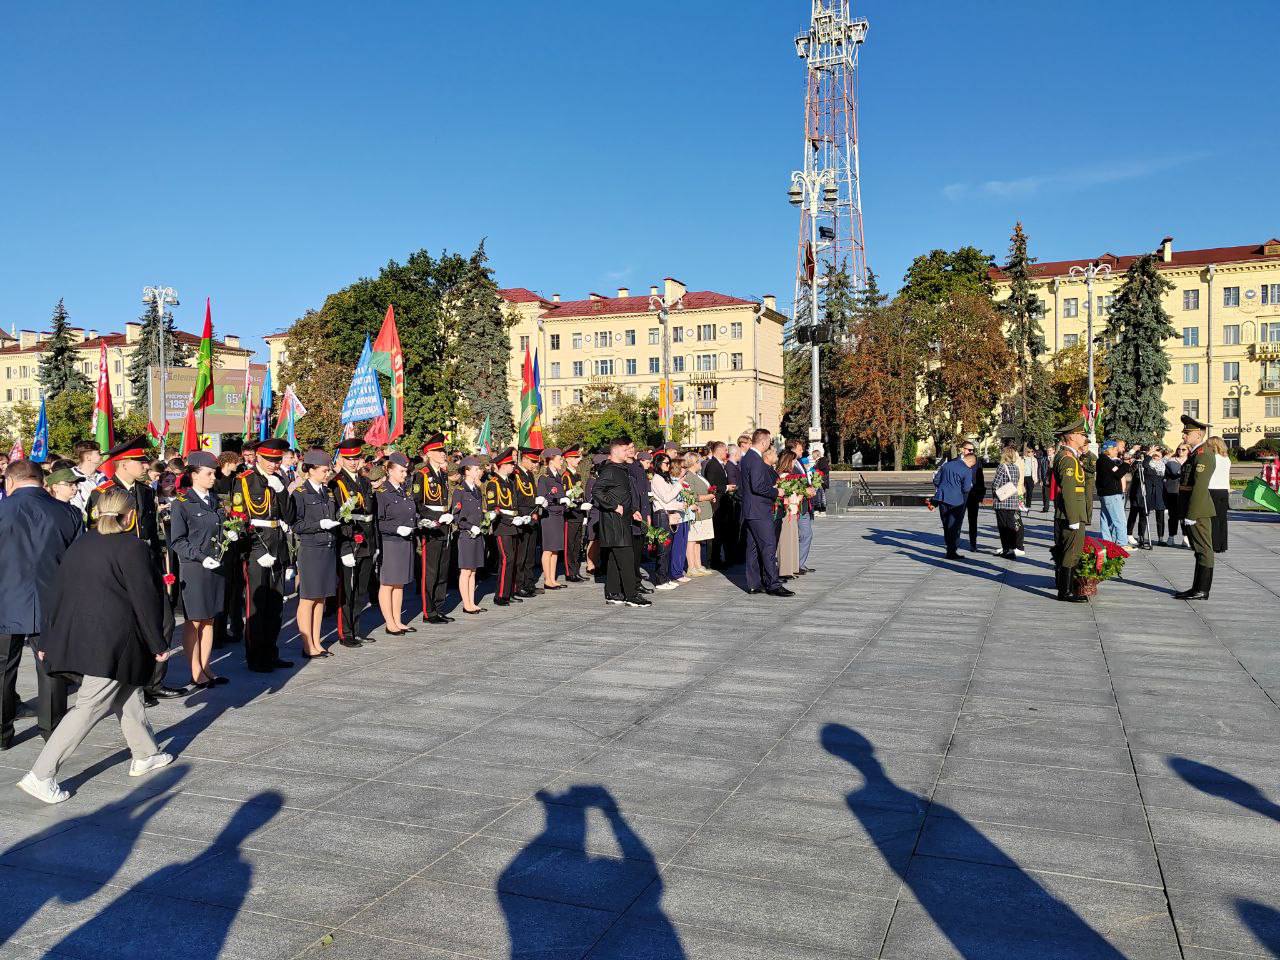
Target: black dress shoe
(369, 639)
(780, 592)
(438, 618)
(409, 630)
(756, 590)
(498, 602)
(317, 656)
(447, 618)
(806, 569)
(149, 701)
(281, 664)
(351, 643)
(170, 693)
(220, 681)
(1073, 598)
(576, 579)
(476, 610)
(6, 743)
(527, 594)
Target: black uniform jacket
(612, 490)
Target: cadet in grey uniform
(196, 535)
(315, 523)
(397, 521)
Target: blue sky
(266, 154)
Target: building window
(1104, 304)
(577, 341)
(577, 395)
(1269, 332)
(8, 396)
(706, 421)
(735, 361)
(555, 398)
(677, 334)
(631, 366)
(1231, 371)
(629, 338)
(1070, 340)
(706, 331)
(555, 341)
(555, 369)
(1191, 408)
(1231, 407)
(1231, 296)
(1271, 293)
(8, 372)
(118, 368)
(1190, 299)
(604, 339)
(655, 365)
(577, 368)
(602, 368)
(677, 394)
(524, 344)
(1191, 336)
(653, 335)
(735, 330)
(1272, 407)
(1191, 373)
(1071, 307)
(1231, 334)
(705, 361)
(677, 364)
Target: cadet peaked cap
(573, 450)
(273, 449)
(1075, 426)
(533, 453)
(1191, 423)
(433, 442)
(398, 458)
(315, 458)
(350, 448)
(201, 458)
(471, 462)
(550, 452)
(504, 456)
(139, 448)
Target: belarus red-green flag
(102, 405)
(203, 395)
(388, 359)
(530, 425)
(190, 432)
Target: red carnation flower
(358, 538)
(170, 579)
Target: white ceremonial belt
(264, 523)
(436, 509)
(509, 513)
(363, 517)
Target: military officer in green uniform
(1072, 508)
(1197, 506)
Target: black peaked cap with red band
(139, 448)
(350, 448)
(434, 442)
(504, 456)
(273, 449)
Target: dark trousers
(720, 547)
(573, 527)
(505, 543)
(264, 603)
(952, 524)
(638, 550)
(1044, 492)
(971, 509)
(762, 555)
(435, 574)
(1029, 487)
(527, 560)
(1009, 524)
(662, 552)
(52, 691)
(353, 590)
(1200, 539)
(620, 582)
(229, 626)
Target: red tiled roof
(119, 340)
(1180, 258)
(607, 306)
(520, 295)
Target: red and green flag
(202, 396)
(530, 424)
(102, 432)
(190, 432)
(388, 359)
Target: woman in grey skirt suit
(315, 520)
(195, 535)
(468, 509)
(551, 493)
(397, 519)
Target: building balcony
(1270, 386)
(1264, 351)
(704, 405)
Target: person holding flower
(787, 519)
(701, 530)
(668, 514)
(357, 540)
(198, 536)
(473, 523)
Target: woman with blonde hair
(1220, 492)
(700, 530)
(1007, 492)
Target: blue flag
(537, 383)
(364, 396)
(40, 443)
(264, 408)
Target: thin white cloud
(1067, 180)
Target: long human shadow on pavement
(556, 864)
(141, 927)
(125, 819)
(1263, 922)
(976, 917)
(1218, 783)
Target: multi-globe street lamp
(816, 189)
(160, 297)
(1094, 269)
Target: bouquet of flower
(688, 496)
(793, 487)
(348, 508)
(575, 493)
(656, 537)
(487, 522)
(233, 528)
(1100, 560)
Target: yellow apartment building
(1225, 305)
(724, 354)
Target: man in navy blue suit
(36, 530)
(759, 493)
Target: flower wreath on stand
(1099, 560)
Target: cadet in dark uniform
(574, 517)
(357, 542)
(1072, 509)
(196, 535)
(431, 497)
(397, 519)
(316, 523)
(468, 514)
(552, 500)
(130, 459)
(528, 512)
(260, 495)
(1198, 510)
(500, 497)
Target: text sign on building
(225, 415)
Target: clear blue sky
(266, 154)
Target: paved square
(914, 758)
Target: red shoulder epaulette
(104, 486)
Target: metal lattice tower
(830, 52)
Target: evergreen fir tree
(1031, 402)
(147, 351)
(1133, 406)
(58, 363)
(482, 350)
(840, 305)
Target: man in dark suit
(36, 530)
(637, 465)
(759, 493)
(614, 496)
(721, 513)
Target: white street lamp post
(160, 297)
(817, 188)
(1088, 273)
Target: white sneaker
(46, 791)
(1019, 553)
(154, 762)
(665, 586)
(684, 579)
(1133, 541)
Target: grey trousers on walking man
(98, 697)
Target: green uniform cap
(1075, 426)
(1191, 423)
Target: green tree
(937, 276)
(58, 369)
(608, 412)
(1137, 328)
(1029, 409)
(482, 350)
(840, 303)
(146, 352)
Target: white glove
(446, 518)
(348, 559)
(1075, 526)
(232, 536)
(585, 505)
(330, 524)
(266, 561)
(565, 501)
(540, 501)
(210, 564)
(1189, 523)
(275, 483)
(474, 531)
(404, 531)
(426, 524)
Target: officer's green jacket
(1074, 503)
(1194, 486)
